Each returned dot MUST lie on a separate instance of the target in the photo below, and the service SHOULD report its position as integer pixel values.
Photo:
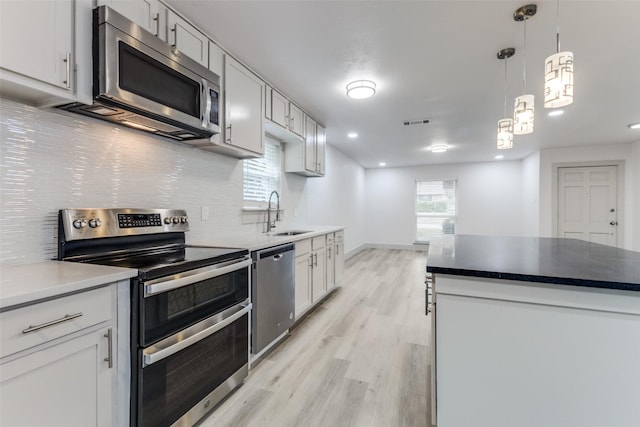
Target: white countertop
(29, 283)
(258, 241)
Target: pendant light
(505, 126)
(558, 73)
(523, 111)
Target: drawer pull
(53, 322)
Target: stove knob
(80, 223)
(175, 219)
(95, 222)
(167, 220)
(183, 219)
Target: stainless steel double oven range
(190, 308)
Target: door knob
(614, 223)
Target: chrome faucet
(271, 225)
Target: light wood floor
(361, 358)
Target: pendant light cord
(524, 69)
(557, 26)
(505, 86)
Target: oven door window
(172, 386)
(144, 76)
(167, 313)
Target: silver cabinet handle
(229, 135)
(157, 19)
(311, 262)
(67, 80)
(174, 30)
(162, 285)
(329, 253)
(316, 261)
(66, 318)
(109, 337)
(155, 353)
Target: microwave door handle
(156, 355)
(207, 103)
(167, 285)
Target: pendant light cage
(505, 126)
(558, 73)
(524, 106)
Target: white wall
(589, 155)
(489, 200)
(531, 194)
(635, 222)
(51, 161)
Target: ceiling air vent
(415, 122)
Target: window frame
(435, 215)
(261, 204)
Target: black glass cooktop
(154, 263)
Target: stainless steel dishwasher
(272, 294)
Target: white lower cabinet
(339, 256)
(59, 362)
(318, 267)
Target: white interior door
(587, 204)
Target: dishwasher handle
(274, 252)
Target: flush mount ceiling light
(523, 111)
(558, 73)
(382, 164)
(499, 157)
(505, 126)
(361, 89)
(352, 135)
(439, 148)
(634, 125)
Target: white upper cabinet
(296, 120)
(216, 59)
(243, 93)
(279, 109)
(187, 39)
(321, 143)
(36, 48)
(310, 145)
(145, 13)
(307, 157)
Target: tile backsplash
(52, 160)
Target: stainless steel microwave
(142, 82)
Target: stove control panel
(92, 223)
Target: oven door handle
(162, 285)
(156, 354)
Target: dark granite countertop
(533, 259)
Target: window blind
(262, 176)
(436, 208)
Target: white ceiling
(436, 60)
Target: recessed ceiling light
(352, 135)
(634, 125)
(382, 164)
(361, 89)
(556, 113)
(439, 148)
(499, 157)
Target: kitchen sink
(290, 233)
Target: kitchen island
(534, 332)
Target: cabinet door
(216, 60)
(279, 109)
(243, 107)
(331, 265)
(145, 13)
(36, 40)
(296, 120)
(303, 284)
(310, 145)
(319, 280)
(321, 141)
(68, 384)
(187, 39)
(339, 261)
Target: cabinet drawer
(318, 242)
(21, 327)
(339, 236)
(303, 247)
(330, 239)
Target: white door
(587, 204)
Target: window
(262, 176)
(435, 208)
